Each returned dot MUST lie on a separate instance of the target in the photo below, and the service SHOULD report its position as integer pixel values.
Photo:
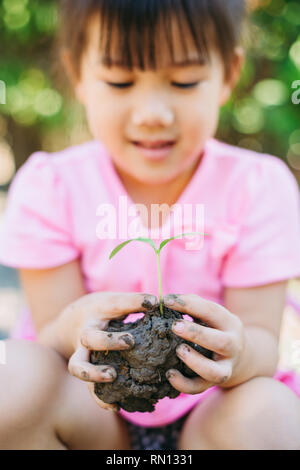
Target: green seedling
(157, 252)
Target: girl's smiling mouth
(155, 150)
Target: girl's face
(154, 106)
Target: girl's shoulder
(76, 166)
(239, 158)
(248, 169)
(249, 182)
(51, 200)
(69, 159)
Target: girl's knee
(277, 404)
(260, 413)
(261, 402)
(264, 394)
(30, 381)
(267, 414)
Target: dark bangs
(141, 28)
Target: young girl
(152, 77)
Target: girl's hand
(224, 336)
(93, 312)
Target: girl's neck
(164, 193)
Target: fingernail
(169, 301)
(178, 326)
(85, 375)
(127, 340)
(149, 301)
(170, 374)
(109, 373)
(152, 299)
(182, 349)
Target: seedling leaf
(178, 236)
(141, 239)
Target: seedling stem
(157, 251)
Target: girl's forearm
(259, 358)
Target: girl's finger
(80, 367)
(98, 340)
(109, 305)
(216, 372)
(207, 311)
(116, 304)
(185, 385)
(210, 338)
(106, 406)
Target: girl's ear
(65, 58)
(236, 69)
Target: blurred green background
(41, 113)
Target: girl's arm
(48, 292)
(260, 309)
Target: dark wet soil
(141, 379)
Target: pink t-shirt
(251, 213)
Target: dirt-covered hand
(224, 336)
(93, 313)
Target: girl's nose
(153, 116)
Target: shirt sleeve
(35, 230)
(268, 247)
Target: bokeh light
(295, 53)
(46, 17)
(271, 92)
(47, 102)
(292, 13)
(16, 14)
(248, 116)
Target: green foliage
(260, 115)
(27, 28)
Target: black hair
(137, 23)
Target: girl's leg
(259, 414)
(43, 407)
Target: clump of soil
(141, 379)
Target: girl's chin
(155, 178)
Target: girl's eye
(179, 85)
(186, 85)
(120, 85)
